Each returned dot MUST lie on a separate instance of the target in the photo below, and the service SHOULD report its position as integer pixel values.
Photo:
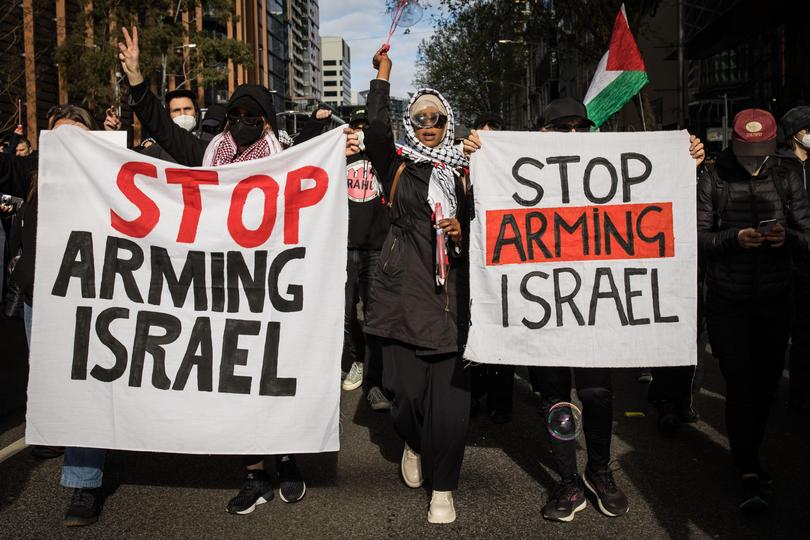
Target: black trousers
(679, 384)
(749, 339)
(672, 385)
(497, 382)
(800, 340)
(595, 391)
(431, 409)
(361, 265)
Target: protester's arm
(13, 142)
(314, 126)
(378, 136)
(182, 145)
(711, 242)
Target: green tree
(89, 54)
(463, 54)
(464, 61)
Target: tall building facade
(336, 70)
(304, 67)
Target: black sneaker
(753, 500)
(566, 500)
(47, 452)
(256, 490)
(291, 486)
(610, 499)
(669, 420)
(84, 508)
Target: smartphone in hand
(766, 226)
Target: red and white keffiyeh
(222, 149)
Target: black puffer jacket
(405, 304)
(747, 274)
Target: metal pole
(528, 87)
(641, 109)
(163, 77)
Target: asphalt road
(679, 487)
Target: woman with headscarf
(418, 308)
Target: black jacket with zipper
(405, 303)
(739, 274)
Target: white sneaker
(354, 379)
(442, 509)
(411, 468)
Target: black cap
(795, 120)
(359, 115)
(565, 109)
(181, 93)
(490, 119)
(255, 99)
(214, 116)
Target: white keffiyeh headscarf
(445, 157)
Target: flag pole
(641, 109)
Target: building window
(329, 73)
(330, 83)
(330, 94)
(330, 62)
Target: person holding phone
(753, 219)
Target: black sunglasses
(245, 119)
(580, 127)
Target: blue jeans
(27, 320)
(83, 467)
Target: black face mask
(244, 134)
(751, 163)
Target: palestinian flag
(619, 75)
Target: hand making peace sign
(128, 55)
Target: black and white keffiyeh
(445, 157)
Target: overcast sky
(364, 25)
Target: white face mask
(186, 121)
(804, 141)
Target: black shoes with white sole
(566, 500)
(258, 489)
(609, 498)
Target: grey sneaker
(354, 379)
(377, 399)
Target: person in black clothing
(250, 133)
(594, 387)
(368, 225)
(753, 217)
(183, 111)
(795, 126)
(495, 381)
(420, 313)
(213, 123)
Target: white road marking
(13, 449)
